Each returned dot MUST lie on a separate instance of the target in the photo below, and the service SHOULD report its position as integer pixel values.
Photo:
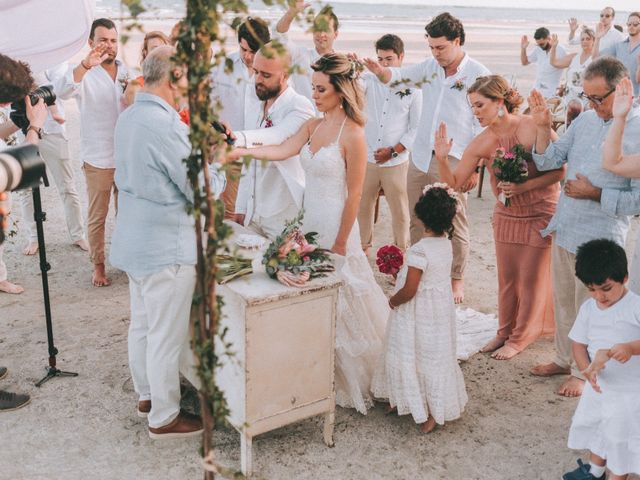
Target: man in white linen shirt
(54, 150)
(610, 35)
(444, 80)
(325, 32)
(234, 93)
(392, 124)
(547, 76)
(98, 83)
(270, 193)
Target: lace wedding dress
(362, 306)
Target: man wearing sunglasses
(594, 203)
(610, 36)
(627, 51)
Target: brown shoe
(184, 425)
(144, 407)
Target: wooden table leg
(245, 454)
(329, 421)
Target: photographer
(15, 83)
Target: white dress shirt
(442, 101)
(54, 77)
(99, 100)
(392, 118)
(301, 59)
(235, 91)
(268, 189)
(547, 76)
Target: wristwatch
(394, 154)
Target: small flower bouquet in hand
(294, 257)
(389, 260)
(511, 166)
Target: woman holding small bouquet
(525, 306)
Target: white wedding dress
(362, 305)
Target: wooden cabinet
(283, 367)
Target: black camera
(219, 127)
(18, 113)
(20, 168)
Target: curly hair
(343, 75)
(496, 87)
(436, 209)
(16, 80)
(446, 25)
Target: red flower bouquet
(389, 259)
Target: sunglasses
(595, 99)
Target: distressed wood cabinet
(283, 367)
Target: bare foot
(82, 244)
(429, 425)
(549, 370)
(389, 410)
(572, 387)
(8, 287)
(457, 285)
(494, 344)
(505, 353)
(100, 278)
(31, 248)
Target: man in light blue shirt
(154, 242)
(594, 203)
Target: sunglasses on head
(594, 98)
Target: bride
(333, 154)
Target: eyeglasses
(605, 15)
(595, 99)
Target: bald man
(271, 194)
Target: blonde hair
(343, 75)
(496, 87)
(150, 36)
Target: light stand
(40, 217)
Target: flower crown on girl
(450, 191)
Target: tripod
(40, 217)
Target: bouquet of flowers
(511, 166)
(389, 260)
(294, 257)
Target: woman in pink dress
(525, 304)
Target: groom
(270, 193)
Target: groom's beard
(265, 93)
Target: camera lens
(20, 168)
(45, 93)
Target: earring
(501, 112)
(341, 107)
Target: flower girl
(418, 372)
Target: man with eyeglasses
(547, 76)
(627, 51)
(594, 203)
(610, 36)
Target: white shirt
(99, 100)
(444, 99)
(301, 59)
(392, 118)
(602, 329)
(55, 77)
(547, 76)
(610, 38)
(266, 190)
(235, 91)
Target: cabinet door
(289, 359)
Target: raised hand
(298, 6)
(96, 56)
(373, 66)
(539, 110)
(442, 145)
(624, 99)
(573, 24)
(601, 30)
(554, 40)
(524, 42)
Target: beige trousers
(393, 180)
(100, 184)
(569, 294)
(230, 193)
(416, 180)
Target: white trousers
(159, 338)
(3, 266)
(54, 149)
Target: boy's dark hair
(446, 25)
(255, 31)
(325, 15)
(600, 260)
(101, 22)
(436, 209)
(15, 80)
(541, 32)
(390, 42)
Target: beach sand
(514, 426)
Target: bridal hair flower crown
(450, 191)
(354, 71)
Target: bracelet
(38, 130)
(84, 66)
